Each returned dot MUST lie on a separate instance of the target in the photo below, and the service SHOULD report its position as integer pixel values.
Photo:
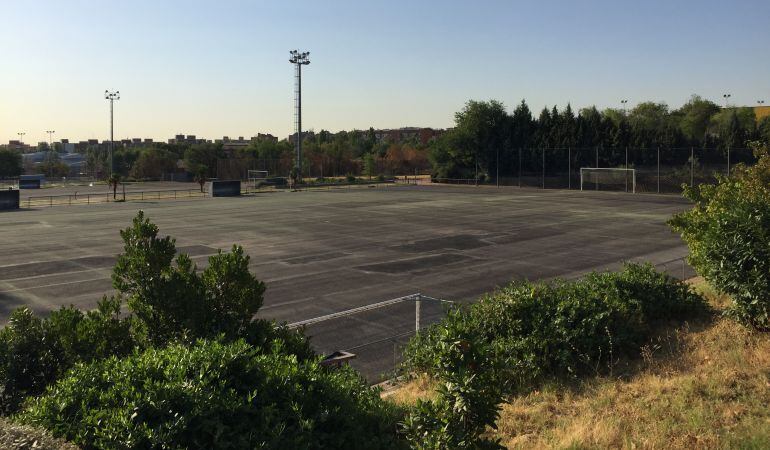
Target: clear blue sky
(214, 68)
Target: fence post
(626, 172)
(543, 167)
(596, 183)
(519, 166)
(569, 168)
(417, 313)
(659, 169)
(728, 160)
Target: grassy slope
(703, 385)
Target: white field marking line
(352, 311)
(53, 285)
(32, 277)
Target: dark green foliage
(35, 352)
(467, 399)
(169, 303)
(214, 395)
(563, 328)
(174, 302)
(10, 163)
(728, 232)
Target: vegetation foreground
(701, 384)
(629, 359)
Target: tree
(696, 116)
(153, 163)
(200, 176)
(113, 181)
(204, 155)
(10, 163)
(173, 301)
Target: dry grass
(22, 437)
(703, 385)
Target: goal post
(608, 178)
(255, 176)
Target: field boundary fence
(657, 170)
(376, 333)
(107, 197)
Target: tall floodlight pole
(111, 96)
(21, 137)
(726, 97)
(299, 59)
(50, 139)
(624, 102)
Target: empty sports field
(322, 252)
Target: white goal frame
(609, 169)
(254, 179)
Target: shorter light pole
(50, 149)
(624, 102)
(111, 96)
(21, 137)
(726, 97)
(760, 102)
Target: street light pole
(624, 102)
(111, 96)
(299, 59)
(50, 149)
(726, 97)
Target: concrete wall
(224, 188)
(9, 199)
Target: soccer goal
(257, 176)
(606, 178)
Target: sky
(220, 67)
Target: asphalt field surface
(322, 252)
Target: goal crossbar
(584, 171)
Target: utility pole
(111, 96)
(299, 59)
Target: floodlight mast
(111, 96)
(299, 59)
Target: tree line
(487, 138)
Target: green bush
(728, 232)
(169, 303)
(467, 399)
(35, 352)
(350, 178)
(214, 395)
(563, 328)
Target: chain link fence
(656, 170)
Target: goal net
(608, 179)
(256, 177)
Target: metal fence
(376, 334)
(660, 170)
(107, 197)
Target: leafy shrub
(350, 178)
(560, 329)
(727, 232)
(35, 352)
(168, 304)
(214, 395)
(467, 399)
